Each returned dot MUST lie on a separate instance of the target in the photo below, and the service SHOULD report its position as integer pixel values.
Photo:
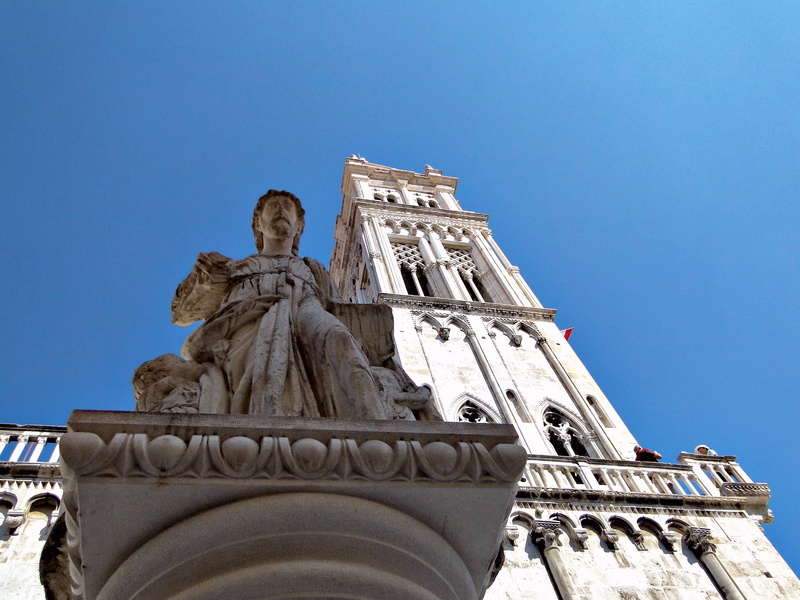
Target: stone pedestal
(197, 507)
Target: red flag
(567, 332)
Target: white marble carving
(276, 340)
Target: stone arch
(515, 339)
(522, 518)
(439, 230)
(458, 322)
(392, 224)
(429, 319)
(678, 525)
(8, 498)
(45, 498)
(466, 398)
(408, 227)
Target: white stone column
(699, 540)
(56, 455)
(513, 271)
(494, 263)
(381, 283)
(22, 441)
(499, 397)
(545, 534)
(37, 451)
(577, 397)
(395, 280)
(4, 441)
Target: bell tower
(466, 323)
(589, 521)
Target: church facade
(589, 521)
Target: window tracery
(565, 438)
(412, 268)
(470, 413)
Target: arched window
(563, 435)
(412, 270)
(391, 199)
(471, 413)
(598, 410)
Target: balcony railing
(695, 475)
(30, 443)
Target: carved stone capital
(512, 535)
(582, 538)
(699, 540)
(638, 540)
(548, 532)
(23, 439)
(610, 537)
(14, 520)
(670, 540)
(4, 439)
(375, 255)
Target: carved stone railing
(695, 476)
(30, 443)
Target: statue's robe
(270, 344)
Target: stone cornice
(483, 309)
(306, 449)
(421, 214)
(608, 497)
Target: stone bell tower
(589, 521)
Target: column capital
(699, 540)
(548, 532)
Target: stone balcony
(695, 480)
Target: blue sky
(639, 162)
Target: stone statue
(276, 339)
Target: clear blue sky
(639, 162)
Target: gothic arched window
(412, 268)
(563, 435)
(471, 413)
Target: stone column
(4, 441)
(22, 441)
(577, 397)
(545, 535)
(494, 386)
(37, 451)
(491, 258)
(699, 540)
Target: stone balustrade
(694, 475)
(30, 443)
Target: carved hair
(262, 202)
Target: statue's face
(279, 218)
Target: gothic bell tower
(466, 323)
(588, 521)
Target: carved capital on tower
(699, 540)
(548, 532)
(670, 540)
(582, 538)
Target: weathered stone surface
(276, 340)
(162, 504)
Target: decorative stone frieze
(464, 306)
(259, 501)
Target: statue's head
(270, 200)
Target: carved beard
(280, 226)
